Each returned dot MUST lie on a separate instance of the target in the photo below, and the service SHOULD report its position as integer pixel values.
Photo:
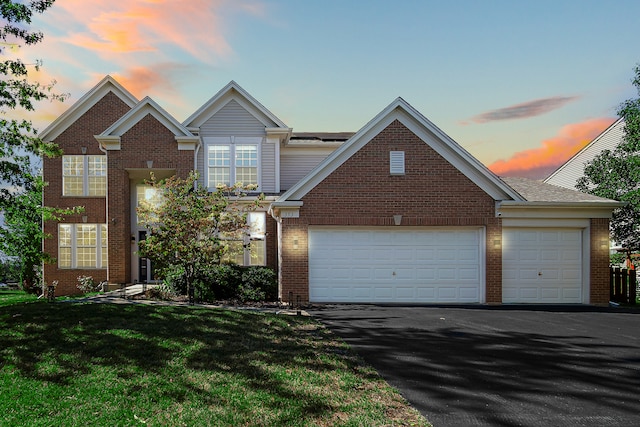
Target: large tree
(19, 144)
(190, 228)
(616, 175)
(22, 234)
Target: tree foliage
(616, 175)
(19, 142)
(189, 227)
(22, 234)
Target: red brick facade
(78, 135)
(361, 192)
(599, 264)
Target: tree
(616, 175)
(190, 228)
(19, 143)
(22, 234)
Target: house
(396, 213)
(568, 174)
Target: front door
(145, 266)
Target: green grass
(69, 364)
(10, 297)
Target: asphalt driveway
(502, 366)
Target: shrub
(87, 284)
(228, 282)
(162, 292)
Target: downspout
(106, 209)
(195, 160)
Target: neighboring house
(568, 174)
(397, 212)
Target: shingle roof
(538, 191)
(322, 136)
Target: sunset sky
(522, 85)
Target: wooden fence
(623, 285)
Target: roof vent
(396, 162)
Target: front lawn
(9, 297)
(74, 364)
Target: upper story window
(84, 175)
(233, 160)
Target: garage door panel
(408, 265)
(542, 265)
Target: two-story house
(396, 212)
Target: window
(232, 160)
(150, 196)
(82, 246)
(84, 175)
(250, 249)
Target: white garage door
(413, 265)
(542, 266)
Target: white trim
(82, 105)
(445, 146)
(232, 142)
(145, 107)
(74, 247)
(508, 209)
(233, 91)
(585, 228)
(589, 146)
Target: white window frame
(101, 235)
(85, 175)
(232, 142)
(255, 238)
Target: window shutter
(396, 162)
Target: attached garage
(543, 266)
(393, 265)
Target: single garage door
(542, 266)
(408, 265)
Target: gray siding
(268, 164)
(568, 174)
(295, 166)
(232, 120)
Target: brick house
(397, 212)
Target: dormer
(240, 140)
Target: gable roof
(568, 174)
(429, 133)
(141, 110)
(82, 105)
(233, 91)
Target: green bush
(228, 282)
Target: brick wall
(80, 134)
(361, 192)
(147, 140)
(599, 233)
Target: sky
(522, 85)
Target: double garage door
(443, 265)
(408, 265)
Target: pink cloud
(539, 162)
(111, 28)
